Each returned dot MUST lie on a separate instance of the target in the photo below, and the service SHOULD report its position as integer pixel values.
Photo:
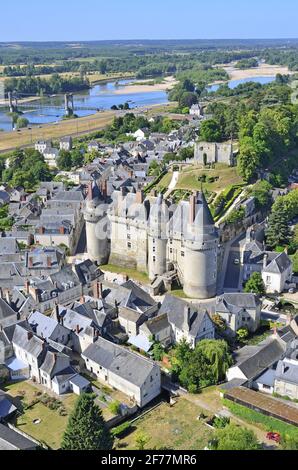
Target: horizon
(59, 22)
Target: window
(182, 254)
(154, 249)
(128, 237)
(171, 250)
(128, 245)
(268, 279)
(154, 259)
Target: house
(41, 146)
(139, 135)
(187, 321)
(239, 310)
(51, 155)
(65, 143)
(196, 110)
(55, 363)
(134, 375)
(286, 378)
(7, 408)
(12, 439)
(93, 146)
(29, 351)
(252, 361)
(277, 272)
(8, 316)
(158, 329)
(276, 268)
(49, 328)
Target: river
(234, 83)
(101, 96)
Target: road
(232, 271)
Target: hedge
(270, 424)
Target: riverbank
(72, 127)
(264, 70)
(167, 84)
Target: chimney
(57, 313)
(7, 297)
(27, 286)
(1, 293)
(62, 230)
(192, 208)
(90, 191)
(30, 262)
(49, 262)
(275, 330)
(140, 197)
(265, 261)
(29, 335)
(96, 290)
(289, 319)
(82, 300)
(78, 329)
(186, 319)
(41, 230)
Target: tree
(242, 334)
(86, 429)
(278, 231)
(233, 437)
(210, 131)
(64, 161)
(289, 442)
(141, 440)
(219, 322)
(248, 160)
(255, 284)
(22, 122)
(77, 158)
(203, 366)
(158, 352)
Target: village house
(239, 310)
(134, 375)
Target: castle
(151, 235)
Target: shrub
(121, 429)
(115, 407)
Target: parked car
(274, 436)
(236, 261)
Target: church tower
(201, 247)
(98, 245)
(157, 240)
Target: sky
(66, 20)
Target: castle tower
(96, 220)
(157, 240)
(201, 246)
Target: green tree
(86, 429)
(141, 441)
(210, 131)
(255, 284)
(233, 437)
(242, 334)
(278, 231)
(64, 161)
(22, 122)
(158, 352)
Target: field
(168, 427)
(52, 425)
(84, 125)
(189, 178)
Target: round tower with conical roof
(157, 240)
(96, 225)
(201, 247)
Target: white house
(277, 273)
(136, 376)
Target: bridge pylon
(68, 104)
(13, 102)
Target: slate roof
(46, 327)
(50, 361)
(12, 440)
(157, 324)
(33, 345)
(287, 371)
(175, 309)
(280, 264)
(253, 360)
(122, 362)
(6, 311)
(8, 245)
(236, 302)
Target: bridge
(14, 105)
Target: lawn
(225, 176)
(52, 425)
(168, 427)
(131, 273)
